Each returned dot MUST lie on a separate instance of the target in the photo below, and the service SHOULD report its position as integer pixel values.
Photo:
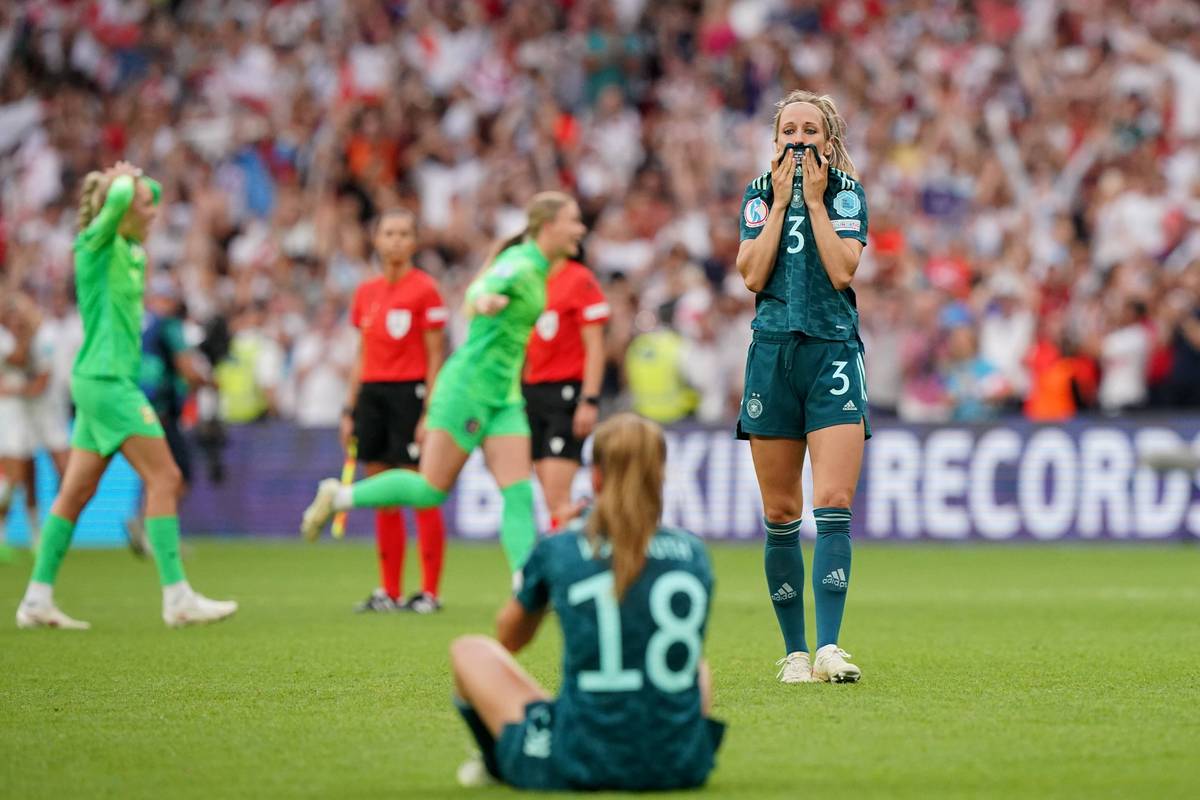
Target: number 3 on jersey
(612, 675)
(794, 233)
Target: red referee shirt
(573, 299)
(393, 318)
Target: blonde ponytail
(543, 208)
(835, 126)
(631, 453)
(91, 199)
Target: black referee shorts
(551, 410)
(385, 421)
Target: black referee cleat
(423, 603)
(377, 601)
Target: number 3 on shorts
(838, 374)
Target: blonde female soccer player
(477, 399)
(116, 210)
(633, 601)
(804, 226)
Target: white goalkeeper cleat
(47, 615)
(320, 510)
(192, 608)
(831, 666)
(794, 668)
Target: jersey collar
(535, 252)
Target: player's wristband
(592, 400)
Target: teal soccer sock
(831, 571)
(784, 564)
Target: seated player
(633, 601)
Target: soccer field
(989, 671)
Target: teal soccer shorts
(796, 384)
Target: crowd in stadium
(1032, 169)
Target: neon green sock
(56, 538)
(518, 529)
(163, 535)
(396, 487)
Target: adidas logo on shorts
(849, 406)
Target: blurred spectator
(250, 376)
(1125, 360)
(1023, 159)
(323, 358)
(1062, 382)
(975, 388)
(658, 375)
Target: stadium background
(1033, 171)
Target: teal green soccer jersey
(628, 715)
(490, 359)
(799, 295)
(109, 278)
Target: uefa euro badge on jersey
(847, 204)
(755, 213)
(754, 407)
(398, 321)
(547, 325)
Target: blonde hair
(631, 454)
(91, 199)
(543, 208)
(835, 126)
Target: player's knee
(779, 512)
(166, 481)
(468, 649)
(834, 498)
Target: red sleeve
(593, 305)
(436, 314)
(356, 307)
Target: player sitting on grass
(111, 413)
(633, 601)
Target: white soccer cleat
(196, 609)
(472, 774)
(831, 666)
(47, 615)
(794, 668)
(320, 510)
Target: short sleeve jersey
(110, 273)
(628, 715)
(393, 318)
(160, 381)
(799, 295)
(489, 361)
(573, 299)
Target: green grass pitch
(989, 671)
